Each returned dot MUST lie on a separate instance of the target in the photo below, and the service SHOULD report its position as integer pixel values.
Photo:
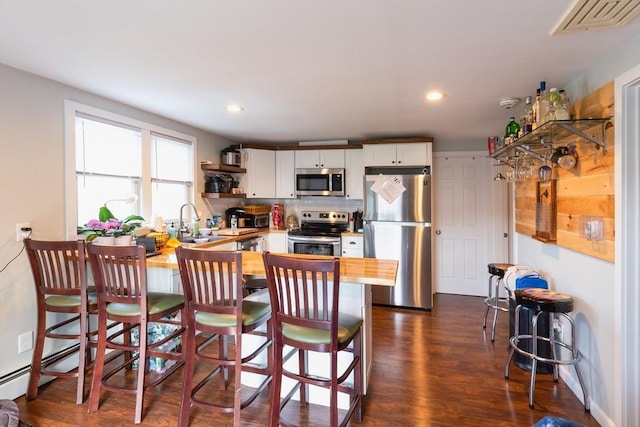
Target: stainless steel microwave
(320, 182)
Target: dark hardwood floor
(435, 368)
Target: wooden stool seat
(557, 306)
(60, 279)
(120, 274)
(544, 300)
(235, 334)
(304, 296)
(498, 269)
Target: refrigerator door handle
(406, 223)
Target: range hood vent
(597, 15)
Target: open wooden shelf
(221, 168)
(223, 196)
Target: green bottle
(512, 129)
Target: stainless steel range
(319, 233)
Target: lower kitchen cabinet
(164, 280)
(352, 245)
(277, 241)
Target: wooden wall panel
(586, 190)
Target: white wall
(590, 281)
(32, 189)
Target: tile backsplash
(292, 206)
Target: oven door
(314, 245)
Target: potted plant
(109, 229)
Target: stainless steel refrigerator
(397, 225)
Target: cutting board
(241, 231)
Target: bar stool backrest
(120, 274)
(55, 267)
(304, 292)
(212, 281)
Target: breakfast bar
(368, 271)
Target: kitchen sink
(191, 239)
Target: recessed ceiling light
(435, 95)
(235, 108)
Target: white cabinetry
(277, 242)
(285, 175)
(402, 154)
(354, 172)
(319, 158)
(164, 280)
(352, 245)
(260, 179)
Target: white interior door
(470, 221)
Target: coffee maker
(358, 223)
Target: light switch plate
(21, 235)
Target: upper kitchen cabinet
(320, 159)
(260, 179)
(354, 172)
(397, 152)
(285, 175)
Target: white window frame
(71, 108)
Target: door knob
(438, 232)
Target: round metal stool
(493, 299)
(558, 306)
(254, 284)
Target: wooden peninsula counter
(353, 270)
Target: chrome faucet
(181, 227)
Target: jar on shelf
(562, 109)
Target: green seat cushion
(348, 325)
(156, 302)
(252, 311)
(69, 300)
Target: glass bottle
(534, 110)
(526, 116)
(234, 224)
(543, 104)
(511, 131)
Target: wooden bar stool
(558, 306)
(493, 300)
(304, 297)
(60, 280)
(120, 275)
(212, 282)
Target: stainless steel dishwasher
(252, 244)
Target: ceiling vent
(597, 15)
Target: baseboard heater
(11, 376)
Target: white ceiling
(307, 70)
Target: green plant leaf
(131, 218)
(104, 214)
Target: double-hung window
(114, 157)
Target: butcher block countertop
(353, 270)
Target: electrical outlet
(25, 342)
(20, 234)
